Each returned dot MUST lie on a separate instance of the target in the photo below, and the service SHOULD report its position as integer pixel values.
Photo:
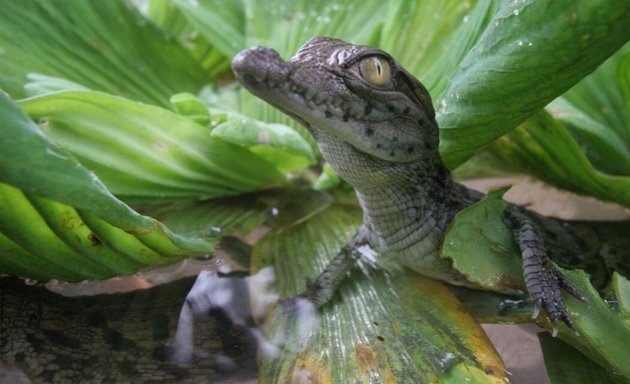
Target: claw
(554, 333)
(544, 282)
(537, 308)
(570, 288)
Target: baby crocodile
(375, 125)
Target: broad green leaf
(147, 153)
(376, 329)
(187, 104)
(544, 148)
(465, 238)
(531, 52)
(594, 114)
(623, 79)
(603, 334)
(39, 84)
(430, 38)
(603, 148)
(102, 45)
(59, 221)
(224, 216)
(566, 365)
(168, 17)
(219, 21)
(276, 143)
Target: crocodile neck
(403, 203)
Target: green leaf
(102, 45)
(59, 221)
(187, 104)
(603, 334)
(531, 52)
(623, 78)
(276, 143)
(465, 238)
(448, 29)
(376, 330)
(565, 365)
(600, 144)
(39, 84)
(544, 148)
(167, 16)
(219, 21)
(146, 153)
(328, 179)
(594, 156)
(621, 289)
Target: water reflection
(215, 294)
(246, 301)
(204, 328)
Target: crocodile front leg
(321, 291)
(542, 279)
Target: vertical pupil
(379, 70)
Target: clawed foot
(314, 295)
(544, 283)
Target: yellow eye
(375, 70)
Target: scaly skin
(375, 125)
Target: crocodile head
(358, 94)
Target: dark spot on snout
(328, 114)
(410, 149)
(392, 153)
(346, 117)
(406, 110)
(369, 131)
(378, 145)
(391, 107)
(367, 110)
(421, 122)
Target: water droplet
(160, 146)
(520, 43)
(448, 361)
(465, 20)
(443, 105)
(516, 12)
